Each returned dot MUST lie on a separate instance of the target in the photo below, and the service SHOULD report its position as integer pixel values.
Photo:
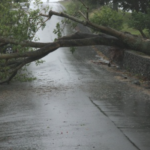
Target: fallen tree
(10, 64)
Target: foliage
(18, 28)
(58, 30)
(24, 75)
(20, 25)
(135, 5)
(107, 17)
(140, 21)
(74, 7)
(72, 49)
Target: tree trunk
(142, 33)
(115, 5)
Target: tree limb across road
(11, 63)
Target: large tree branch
(110, 37)
(135, 43)
(23, 43)
(77, 39)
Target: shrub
(140, 21)
(106, 16)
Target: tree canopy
(18, 27)
(134, 5)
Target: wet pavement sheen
(73, 104)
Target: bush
(140, 21)
(106, 16)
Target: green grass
(126, 28)
(126, 19)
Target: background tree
(106, 16)
(134, 5)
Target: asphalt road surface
(73, 104)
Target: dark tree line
(17, 1)
(135, 5)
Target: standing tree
(18, 27)
(135, 5)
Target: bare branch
(83, 4)
(87, 13)
(82, 14)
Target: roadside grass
(126, 19)
(126, 28)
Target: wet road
(73, 104)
